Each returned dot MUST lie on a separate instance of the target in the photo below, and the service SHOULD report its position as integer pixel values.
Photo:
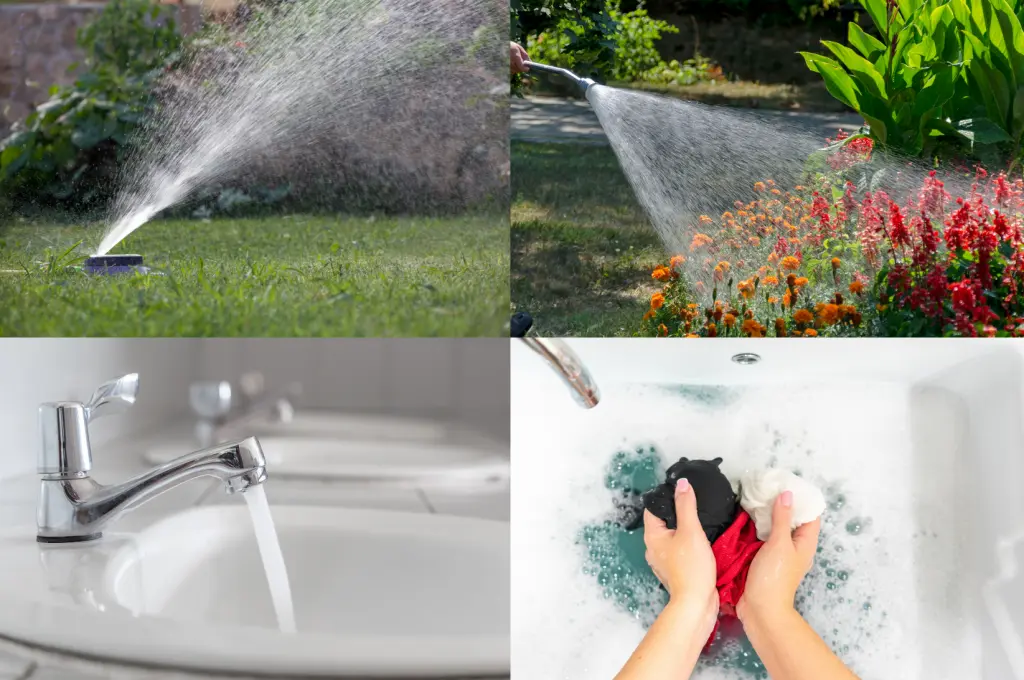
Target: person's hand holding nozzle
(518, 58)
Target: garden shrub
(67, 151)
(946, 76)
(586, 26)
(770, 11)
(636, 56)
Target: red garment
(734, 551)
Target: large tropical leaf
(861, 69)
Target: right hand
(517, 58)
(781, 563)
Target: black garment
(717, 505)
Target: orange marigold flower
(662, 273)
(828, 314)
(780, 327)
(759, 186)
(790, 263)
(657, 300)
(700, 240)
(776, 192)
(801, 281)
(797, 333)
(803, 316)
(724, 265)
(704, 219)
(648, 314)
(836, 262)
(791, 280)
(729, 320)
(787, 299)
(810, 333)
(856, 287)
(719, 273)
(746, 288)
(773, 258)
(771, 280)
(662, 330)
(752, 328)
(676, 261)
(692, 335)
(712, 330)
(754, 241)
(773, 300)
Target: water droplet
(866, 606)
(843, 575)
(830, 585)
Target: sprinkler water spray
(582, 83)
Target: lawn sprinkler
(115, 264)
(582, 83)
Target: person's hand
(781, 563)
(517, 55)
(681, 558)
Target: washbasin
(376, 594)
(363, 459)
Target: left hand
(682, 558)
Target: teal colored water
(615, 559)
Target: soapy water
(615, 557)
(403, 83)
(887, 561)
(273, 558)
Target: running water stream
(273, 558)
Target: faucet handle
(113, 397)
(210, 399)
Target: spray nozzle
(582, 83)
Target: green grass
(276, 276)
(582, 249)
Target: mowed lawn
(582, 248)
(274, 276)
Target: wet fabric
(760, 488)
(734, 551)
(717, 504)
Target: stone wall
(37, 45)
(748, 50)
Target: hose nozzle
(582, 83)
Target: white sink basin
(343, 459)
(307, 423)
(377, 594)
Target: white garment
(759, 489)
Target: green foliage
(585, 25)
(636, 56)
(130, 36)
(68, 150)
(945, 74)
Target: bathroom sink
(376, 594)
(354, 459)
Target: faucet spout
(73, 507)
(569, 368)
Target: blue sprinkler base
(115, 264)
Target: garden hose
(582, 83)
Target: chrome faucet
(569, 368)
(213, 402)
(73, 507)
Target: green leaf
(868, 45)
(838, 83)
(982, 131)
(862, 69)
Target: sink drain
(746, 358)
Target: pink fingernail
(683, 485)
(787, 499)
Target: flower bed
(831, 260)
